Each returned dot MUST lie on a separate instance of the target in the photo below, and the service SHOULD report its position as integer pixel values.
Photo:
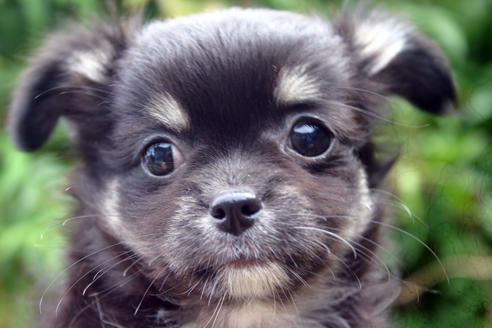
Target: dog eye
(310, 139)
(161, 158)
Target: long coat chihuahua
(227, 169)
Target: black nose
(235, 211)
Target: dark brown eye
(310, 139)
(161, 158)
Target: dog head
(229, 150)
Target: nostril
(218, 213)
(251, 208)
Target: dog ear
(390, 53)
(67, 78)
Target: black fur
(147, 256)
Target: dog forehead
(235, 61)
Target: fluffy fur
(225, 88)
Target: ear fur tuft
(69, 73)
(388, 51)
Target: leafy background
(441, 186)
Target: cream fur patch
(165, 109)
(361, 215)
(295, 85)
(380, 39)
(91, 64)
(294, 313)
(255, 314)
(109, 207)
(253, 281)
(112, 218)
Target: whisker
(64, 222)
(125, 272)
(373, 115)
(218, 311)
(298, 277)
(359, 282)
(292, 300)
(113, 287)
(399, 203)
(215, 311)
(145, 293)
(373, 256)
(104, 294)
(204, 287)
(67, 291)
(88, 216)
(390, 226)
(74, 88)
(212, 291)
(334, 235)
(99, 275)
(190, 290)
(59, 274)
(101, 316)
(387, 225)
(68, 268)
(385, 98)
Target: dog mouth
(244, 263)
(245, 277)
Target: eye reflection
(159, 158)
(310, 139)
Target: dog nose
(235, 211)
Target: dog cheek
(325, 206)
(187, 234)
(109, 207)
(362, 213)
(116, 222)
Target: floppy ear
(389, 52)
(68, 78)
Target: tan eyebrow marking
(169, 112)
(295, 85)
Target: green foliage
(30, 241)
(444, 176)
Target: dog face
(230, 151)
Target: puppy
(227, 165)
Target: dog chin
(249, 279)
